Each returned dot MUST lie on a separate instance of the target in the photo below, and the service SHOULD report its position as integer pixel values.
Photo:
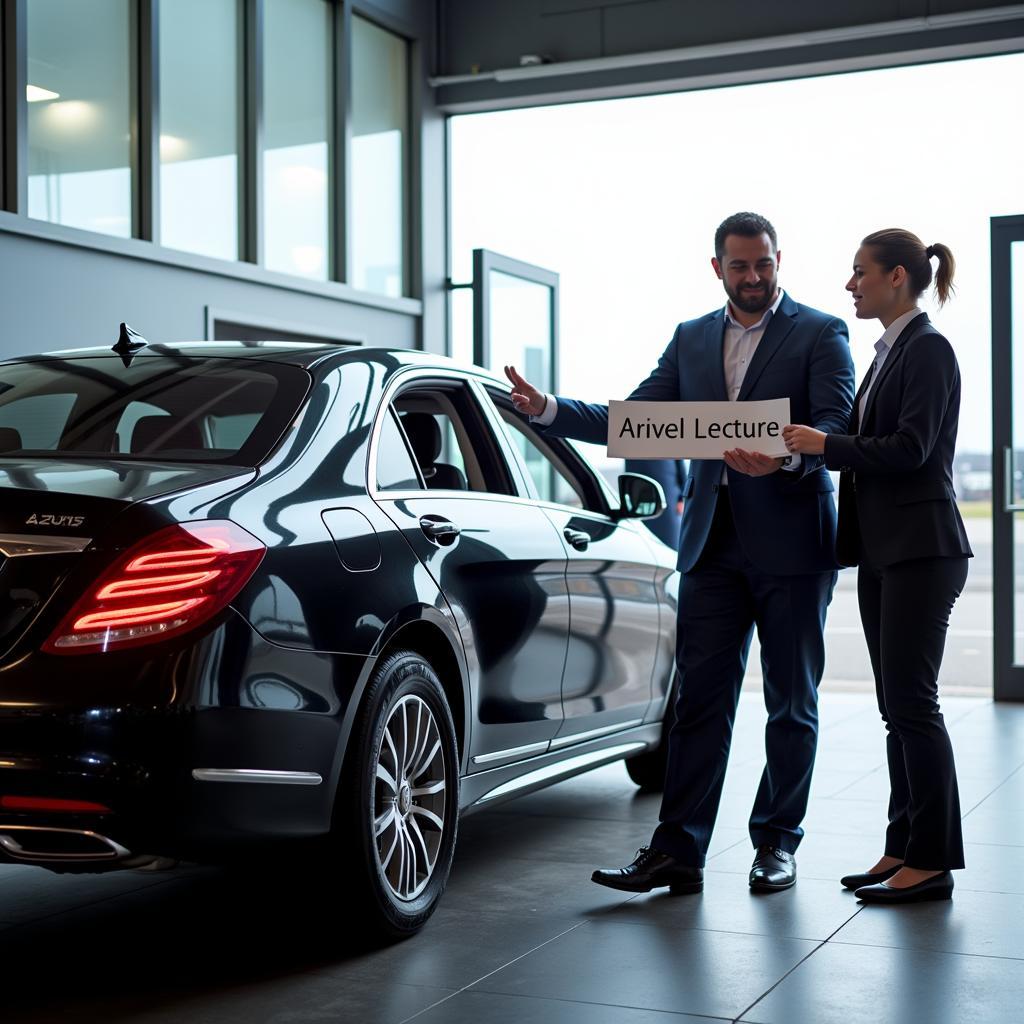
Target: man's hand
(525, 397)
(751, 463)
(804, 440)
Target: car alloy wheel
(398, 810)
(410, 794)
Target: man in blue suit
(757, 549)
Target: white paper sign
(695, 430)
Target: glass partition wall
(270, 131)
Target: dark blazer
(896, 499)
(786, 521)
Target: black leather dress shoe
(651, 870)
(772, 870)
(938, 887)
(868, 878)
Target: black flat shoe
(773, 870)
(652, 870)
(939, 887)
(859, 881)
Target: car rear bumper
(188, 777)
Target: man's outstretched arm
(588, 421)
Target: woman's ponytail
(944, 275)
(896, 247)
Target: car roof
(305, 354)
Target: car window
(36, 421)
(167, 407)
(552, 481)
(450, 440)
(559, 473)
(396, 470)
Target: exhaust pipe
(39, 844)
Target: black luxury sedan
(259, 598)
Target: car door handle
(577, 538)
(441, 531)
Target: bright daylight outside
(622, 198)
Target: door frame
(486, 260)
(1008, 677)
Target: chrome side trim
(580, 737)
(114, 851)
(501, 755)
(568, 767)
(18, 545)
(256, 775)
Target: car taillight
(170, 582)
(42, 803)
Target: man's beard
(753, 301)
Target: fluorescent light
(172, 148)
(35, 94)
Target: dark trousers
(905, 610)
(720, 601)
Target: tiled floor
(523, 936)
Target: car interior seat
(10, 440)
(424, 435)
(165, 433)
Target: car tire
(400, 797)
(647, 770)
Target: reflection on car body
(273, 596)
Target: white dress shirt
(882, 349)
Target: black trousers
(720, 601)
(905, 611)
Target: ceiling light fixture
(35, 94)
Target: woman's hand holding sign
(803, 440)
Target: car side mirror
(640, 497)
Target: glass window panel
(553, 483)
(98, 406)
(395, 468)
(199, 125)
(79, 114)
(379, 129)
(521, 328)
(297, 119)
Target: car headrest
(10, 440)
(424, 435)
(149, 435)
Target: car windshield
(172, 407)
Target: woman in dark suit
(899, 522)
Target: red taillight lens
(173, 581)
(44, 803)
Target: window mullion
(251, 162)
(340, 191)
(14, 115)
(146, 123)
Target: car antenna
(129, 344)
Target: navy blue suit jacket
(785, 521)
(896, 497)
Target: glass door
(515, 317)
(1008, 455)
(515, 323)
